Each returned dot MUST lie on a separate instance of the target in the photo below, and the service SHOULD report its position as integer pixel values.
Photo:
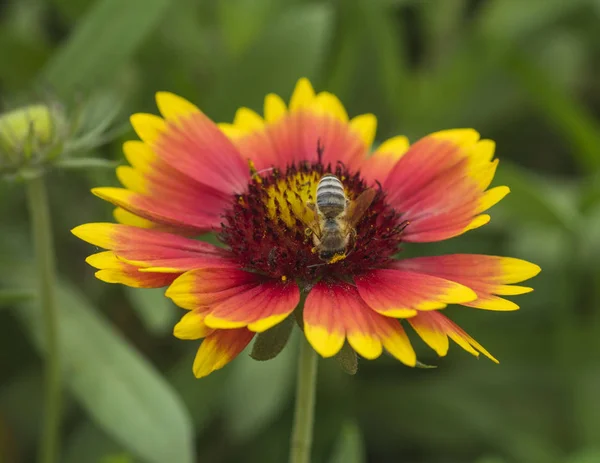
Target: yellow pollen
(251, 166)
(287, 198)
(283, 278)
(336, 258)
(253, 171)
(241, 200)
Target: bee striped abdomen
(331, 199)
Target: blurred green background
(522, 72)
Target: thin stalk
(41, 231)
(305, 404)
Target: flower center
(271, 228)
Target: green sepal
(299, 310)
(424, 365)
(269, 344)
(347, 359)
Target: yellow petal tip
(221, 323)
(326, 344)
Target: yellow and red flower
(250, 181)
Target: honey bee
(335, 218)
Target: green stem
(41, 230)
(305, 404)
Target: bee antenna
(257, 173)
(320, 149)
(379, 185)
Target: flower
(251, 182)
(29, 135)
(53, 134)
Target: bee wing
(358, 207)
(310, 218)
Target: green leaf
(257, 392)
(89, 444)
(21, 399)
(590, 238)
(12, 296)
(201, 397)
(509, 20)
(293, 45)
(384, 34)
(349, 447)
(590, 196)
(85, 163)
(567, 115)
(118, 388)
(118, 458)
(589, 455)
(443, 27)
(586, 409)
(269, 344)
(533, 200)
(491, 459)
(242, 21)
(97, 121)
(157, 313)
(103, 41)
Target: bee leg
(317, 243)
(353, 240)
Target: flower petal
(285, 137)
(328, 103)
(149, 127)
(159, 210)
(334, 312)
(162, 194)
(379, 165)
(235, 298)
(274, 108)
(303, 95)
(435, 329)
(439, 185)
(114, 270)
(208, 287)
(488, 276)
(173, 107)
(194, 146)
(192, 326)
(220, 348)
(258, 308)
(361, 330)
(366, 127)
(153, 250)
(127, 218)
(400, 294)
(323, 317)
(247, 120)
(395, 340)
(295, 137)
